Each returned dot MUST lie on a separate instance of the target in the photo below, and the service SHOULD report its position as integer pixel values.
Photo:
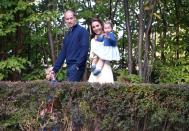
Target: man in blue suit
(74, 50)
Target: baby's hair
(108, 22)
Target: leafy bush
(172, 73)
(94, 106)
(125, 77)
(39, 74)
(35, 74)
(12, 64)
(61, 75)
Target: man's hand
(50, 75)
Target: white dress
(106, 75)
(105, 49)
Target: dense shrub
(11, 66)
(84, 106)
(172, 72)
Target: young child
(108, 51)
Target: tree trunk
(110, 11)
(126, 7)
(153, 44)
(177, 14)
(147, 67)
(51, 43)
(162, 42)
(140, 36)
(146, 58)
(122, 61)
(19, 45)
(19, 36)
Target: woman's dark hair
(95, 19)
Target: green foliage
(172, 73)
(61, 75)
(25, 23)
(46, 16)
(12, 64)
(113, 107)
(22, 112)
(39, 74)
(36, 74)
(9, 10)
(125, 77)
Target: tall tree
(164, 22)
(51, 42)
(140, 35)
(177, 26)
(127, 21)
(150, 11)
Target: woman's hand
(100, 38)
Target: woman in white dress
(106, 75)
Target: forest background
(152, 35)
